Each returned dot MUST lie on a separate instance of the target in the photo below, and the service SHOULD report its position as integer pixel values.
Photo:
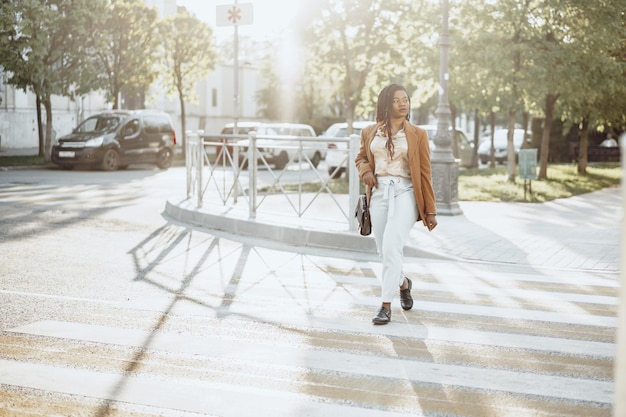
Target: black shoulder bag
(362, 213)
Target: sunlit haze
(270, 17)
(273, 20)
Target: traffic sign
(528, 164)
(234, 14)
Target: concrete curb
(293, 236)
(23, 167)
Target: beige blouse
(398, 165)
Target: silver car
(280, 143)
(462, 148)
(337, 153)
(500, 145)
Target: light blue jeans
(394, 212)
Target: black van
(118, 138)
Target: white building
(18, 115)
(215, 105)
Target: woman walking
(394, 163)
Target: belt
(392, 187)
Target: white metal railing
(228, 167)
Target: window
(131, 128)
(462, 139)
(156, 124)
(92, 124)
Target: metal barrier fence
(229, 167)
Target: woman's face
(400, 105)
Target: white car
(280, 143)
(243, 128)
(337, 154)
(500, 145)
(462, 148)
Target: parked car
(337, 154)
(462, 148)
(118, 138)
(336, 157)
(500, 144)
(274, 144)
(243, 128)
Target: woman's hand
(431, 221)
(370, 180)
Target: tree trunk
(510, 148)
(116, 98)
(40, 131)
(48, 142)
(183, 125)
(349, 109)
(545, 137)
(525, 120)
(476, 139)
(492, 124)
(582, 147)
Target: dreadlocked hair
(383, 112)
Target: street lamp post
(444, 166)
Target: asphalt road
(107, 308)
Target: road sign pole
(236, 81)
(236, 96)
(235, 15)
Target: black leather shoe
(406, 301)
(383, 316)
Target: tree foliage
(73, 47)
(571, 42)
(42, 45)
(189, 55)
(359, 45)
(555, 58)
(266, 96)
(125, 46)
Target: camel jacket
(419, 164)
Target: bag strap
(368, 194)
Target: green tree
(535, 54)
(351, 41)
(125, 45)
(189, 55)
(490, 52)
(268, 100)
(571, 43)
(599, 94)
(479, 73)
(42, 45)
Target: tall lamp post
(444, 166)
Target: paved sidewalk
(578, 233)
(581, 233)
